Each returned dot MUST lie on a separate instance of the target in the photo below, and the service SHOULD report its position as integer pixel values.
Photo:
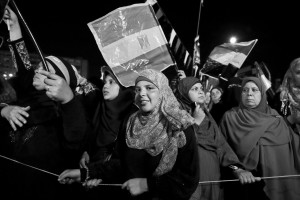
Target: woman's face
(146, 96)
(196, 93)
(215, 95)
(251, 96)
(110, 89)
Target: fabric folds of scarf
(290, 89)
(162, 130)
(208, 134)
(110, 114)
(246, 129)
(183, 88)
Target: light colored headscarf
(161, 130)
(290, 89)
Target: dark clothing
(51, 140)
(232, 91)
(214, 151)
(179, 183)
(215, 155)
(217, 111)
(262, 141)
(105, 117)
(295, 141)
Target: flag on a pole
(227, 54)
(235, 53)
(130, 39)
(196, 56)
(267, 84)
(183, 58)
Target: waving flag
(184, 60)
(130, 40)
(227, 54)
(266, 82)
(196, 56)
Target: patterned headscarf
(161, 130)
(290, 89)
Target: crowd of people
(158, 139)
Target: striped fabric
(130, 40)
(184, 60)
(230, 55)
(234, 54)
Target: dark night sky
(60, 27)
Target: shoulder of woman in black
(183, 179)
(112, 171)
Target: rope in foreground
(119, 185)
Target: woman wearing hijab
(156, 146)
(261, 139)
(218, 107)
(214, 151)
(45, 134)
(113, 106)
(291, 104)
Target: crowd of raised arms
(63, 136)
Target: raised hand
(11, 19)
(56, 87)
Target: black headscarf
(208, 134)
(183, 88)
(110, 114)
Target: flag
(183, 58)
(151, 2)
(266, 83)
(130, 39)
(196, 56)
(227, 54)
(209, 82)
(234, 54)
